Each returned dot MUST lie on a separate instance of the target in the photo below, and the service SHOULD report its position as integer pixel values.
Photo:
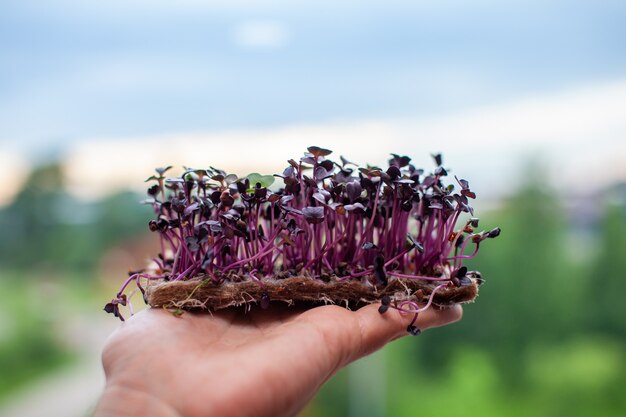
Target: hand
(261, 363)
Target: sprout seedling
(327, 232)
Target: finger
(379, 329)
(350, 335)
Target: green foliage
(48, 228)
(26, 355)
(607, 283)
(547, 335)
(28, 345)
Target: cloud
(580, 132)
(260, 34)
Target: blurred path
(73, 390)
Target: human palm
(232, 363)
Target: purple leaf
(317, 151)
(313, 215)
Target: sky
(478, 80)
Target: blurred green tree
(528, 294)
(47, 227)
(607, 283)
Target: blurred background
(526, 99)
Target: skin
(261, 363)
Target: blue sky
(75, 70)
(137, 84)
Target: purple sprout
(326, 221)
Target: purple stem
(185, 272)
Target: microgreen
(323, 219)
